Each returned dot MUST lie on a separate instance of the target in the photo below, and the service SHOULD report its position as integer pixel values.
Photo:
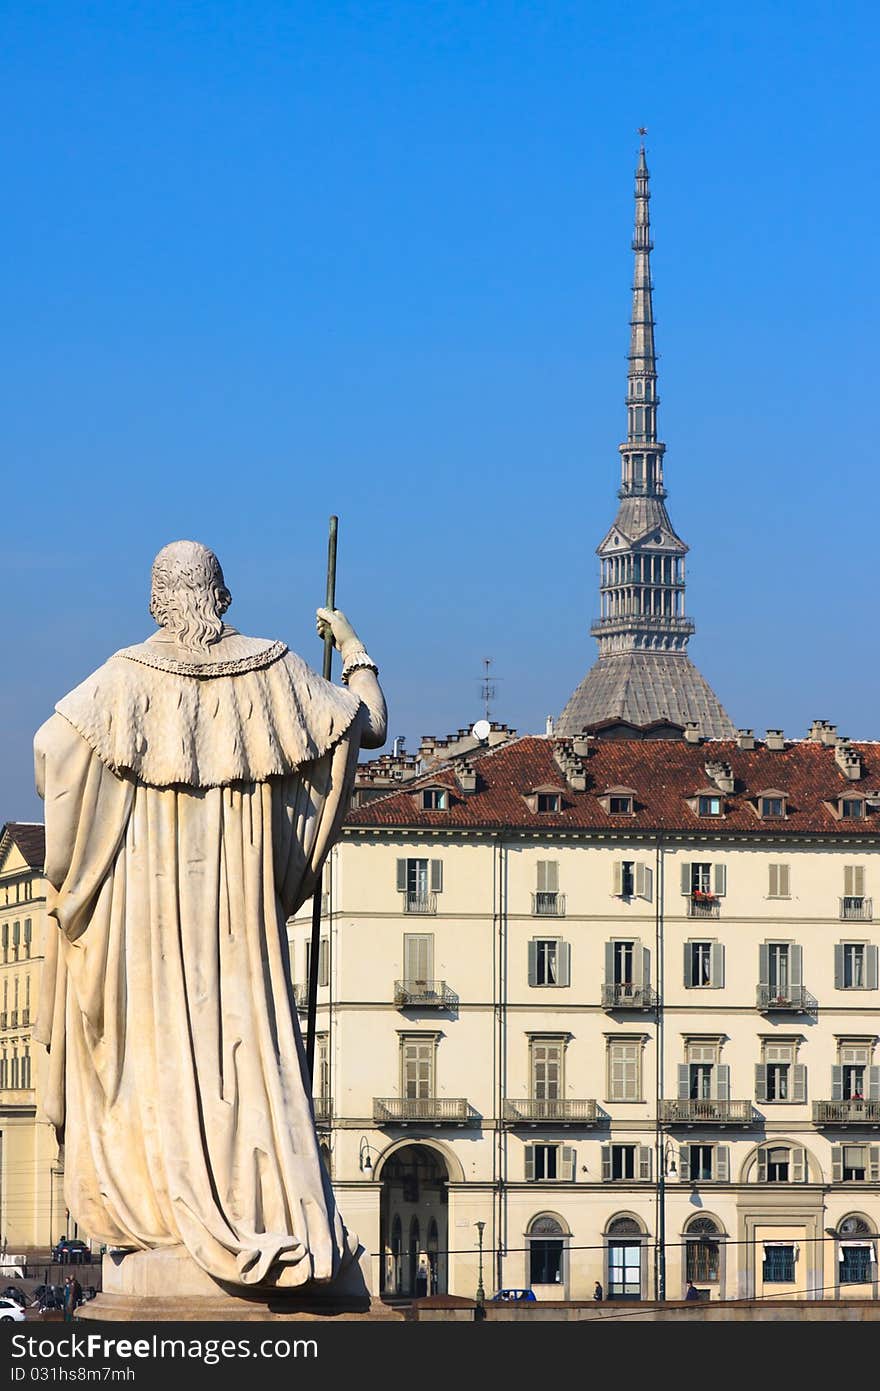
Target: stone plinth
(167, 1285)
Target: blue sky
(266, 261)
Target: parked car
(71, 1251)
(10, 1310)
(515, 1296)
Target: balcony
(852, 1112)
(420, 903)
(323, 1109)
(541, 1111)
(794, 999)
(424, 994)
(548, 905)
(415, 1110)
(301, 996)
(706, 1111)
(624, 995)
(703, 906)
(856, 910)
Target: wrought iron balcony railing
(706, 1111)
(403, 1110)
(620, 995)
(541, 1110)
(851, 1112)
(794, 999)
(548, 905)
(424, 994)
(420, 903)
(323, 1109)
(856, 910)
(701, 906)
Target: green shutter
(874, 1083)
(533, 963)
(563, 957)
(685, 877)
(609, 963)
(798, 1164)
(530, 1163)
(401, 876)
(684, 1082)
(684, 1163)
(716, 965)
(722, 1163)
(838, 966)
(569, 1157)
(871, 954)
(722, 1082)
(720, 880)
(764, 966)
(796, 965)
(617, 878)
(762, 1165)
(799, 1082)
(760, 1082)
(644, 1161)
(436, 876)
(606, 1163)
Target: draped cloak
(189, 806)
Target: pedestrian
(67, 1301)
(598, 1292)
(692, 1291)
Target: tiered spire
(642, 464)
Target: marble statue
(194, 785)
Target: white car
(10, 1310)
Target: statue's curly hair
(189, 595)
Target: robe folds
(176, 1066)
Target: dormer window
(435, 799)
(852, 808)
(545, 798)
(771, 804)
(709, 806)
(620, 806)
(549, 801)
(618, 801)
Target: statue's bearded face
(189, 596)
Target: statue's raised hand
(333, 623)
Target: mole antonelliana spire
(643, 673)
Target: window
(703, 1252)
(854, 1078)
(323, 961)
(854, 1163)
(549, 961)
(5, 935)
(778, 1264)
(852, 807)
(781, 1164)
(418, 956)
(623, 962)
(627, 880)
(633, 879)
(419, 881)
(625, 1069)
(417, 1054)
(853, 885)
(777, 1166)
(548, 801)
(703, 965)
(434, 799)
(545, 1068)
(778, 1077)
(321, 1088)
(702, 880)
(16, 939)
(699, 1164)
(620, 806)
(622, 1162)
(855, 966)
(547, 900)
(780, 881)
(28, 936)
(710, 806)
(546, 1252)
(772, 806)
(549, 1162)
(624, 1259)
(856, 1261)
(26, 1068)
(780, 974)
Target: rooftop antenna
(488, 684)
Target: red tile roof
(664, 773)
(30, 837)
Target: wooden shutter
(871, 953)
(533, 963)
(773, 891)
(606, 1163)
(563, 959)
(684, 1081)
(796, 965)
(799, 1082)
(784, 881)
(854, 881)
(644, 882)
(722, 1163)
(764, 966)
(645, 955)
(617, 878)
(687, 965)
(609, 963)
(548, 876)
(638, 959)
(685, 877)
(762, 1165)
(838, 966)
(760, 1082)
(798, 1164)
(418, 949)
(401, 876)
(436, 876)
(836, 1083)
(643, 1155)
(569, 1156)
(874, 1163)
(530, 1163)
(722, 1082)
(684, 1163)
(720, 880)
(837, 1163)
(716, 965)
(324, 962)
(874, 1083)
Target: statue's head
(189, 596)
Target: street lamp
(481, 1293)
(665, 1169)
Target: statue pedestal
(166, 1285)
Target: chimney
(721, 774)
(692, 732)
(775, 740)
(581, 745)
(745, 738)
(821, 732)
(466, 778)
(549, 727)
(847, 760)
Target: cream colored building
(555, 968)
(32, 1211)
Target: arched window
(856, 1251)
(546, 1238)
(703, 1262)
(625, 1259)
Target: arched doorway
(625, 1273)
(414, 1222)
